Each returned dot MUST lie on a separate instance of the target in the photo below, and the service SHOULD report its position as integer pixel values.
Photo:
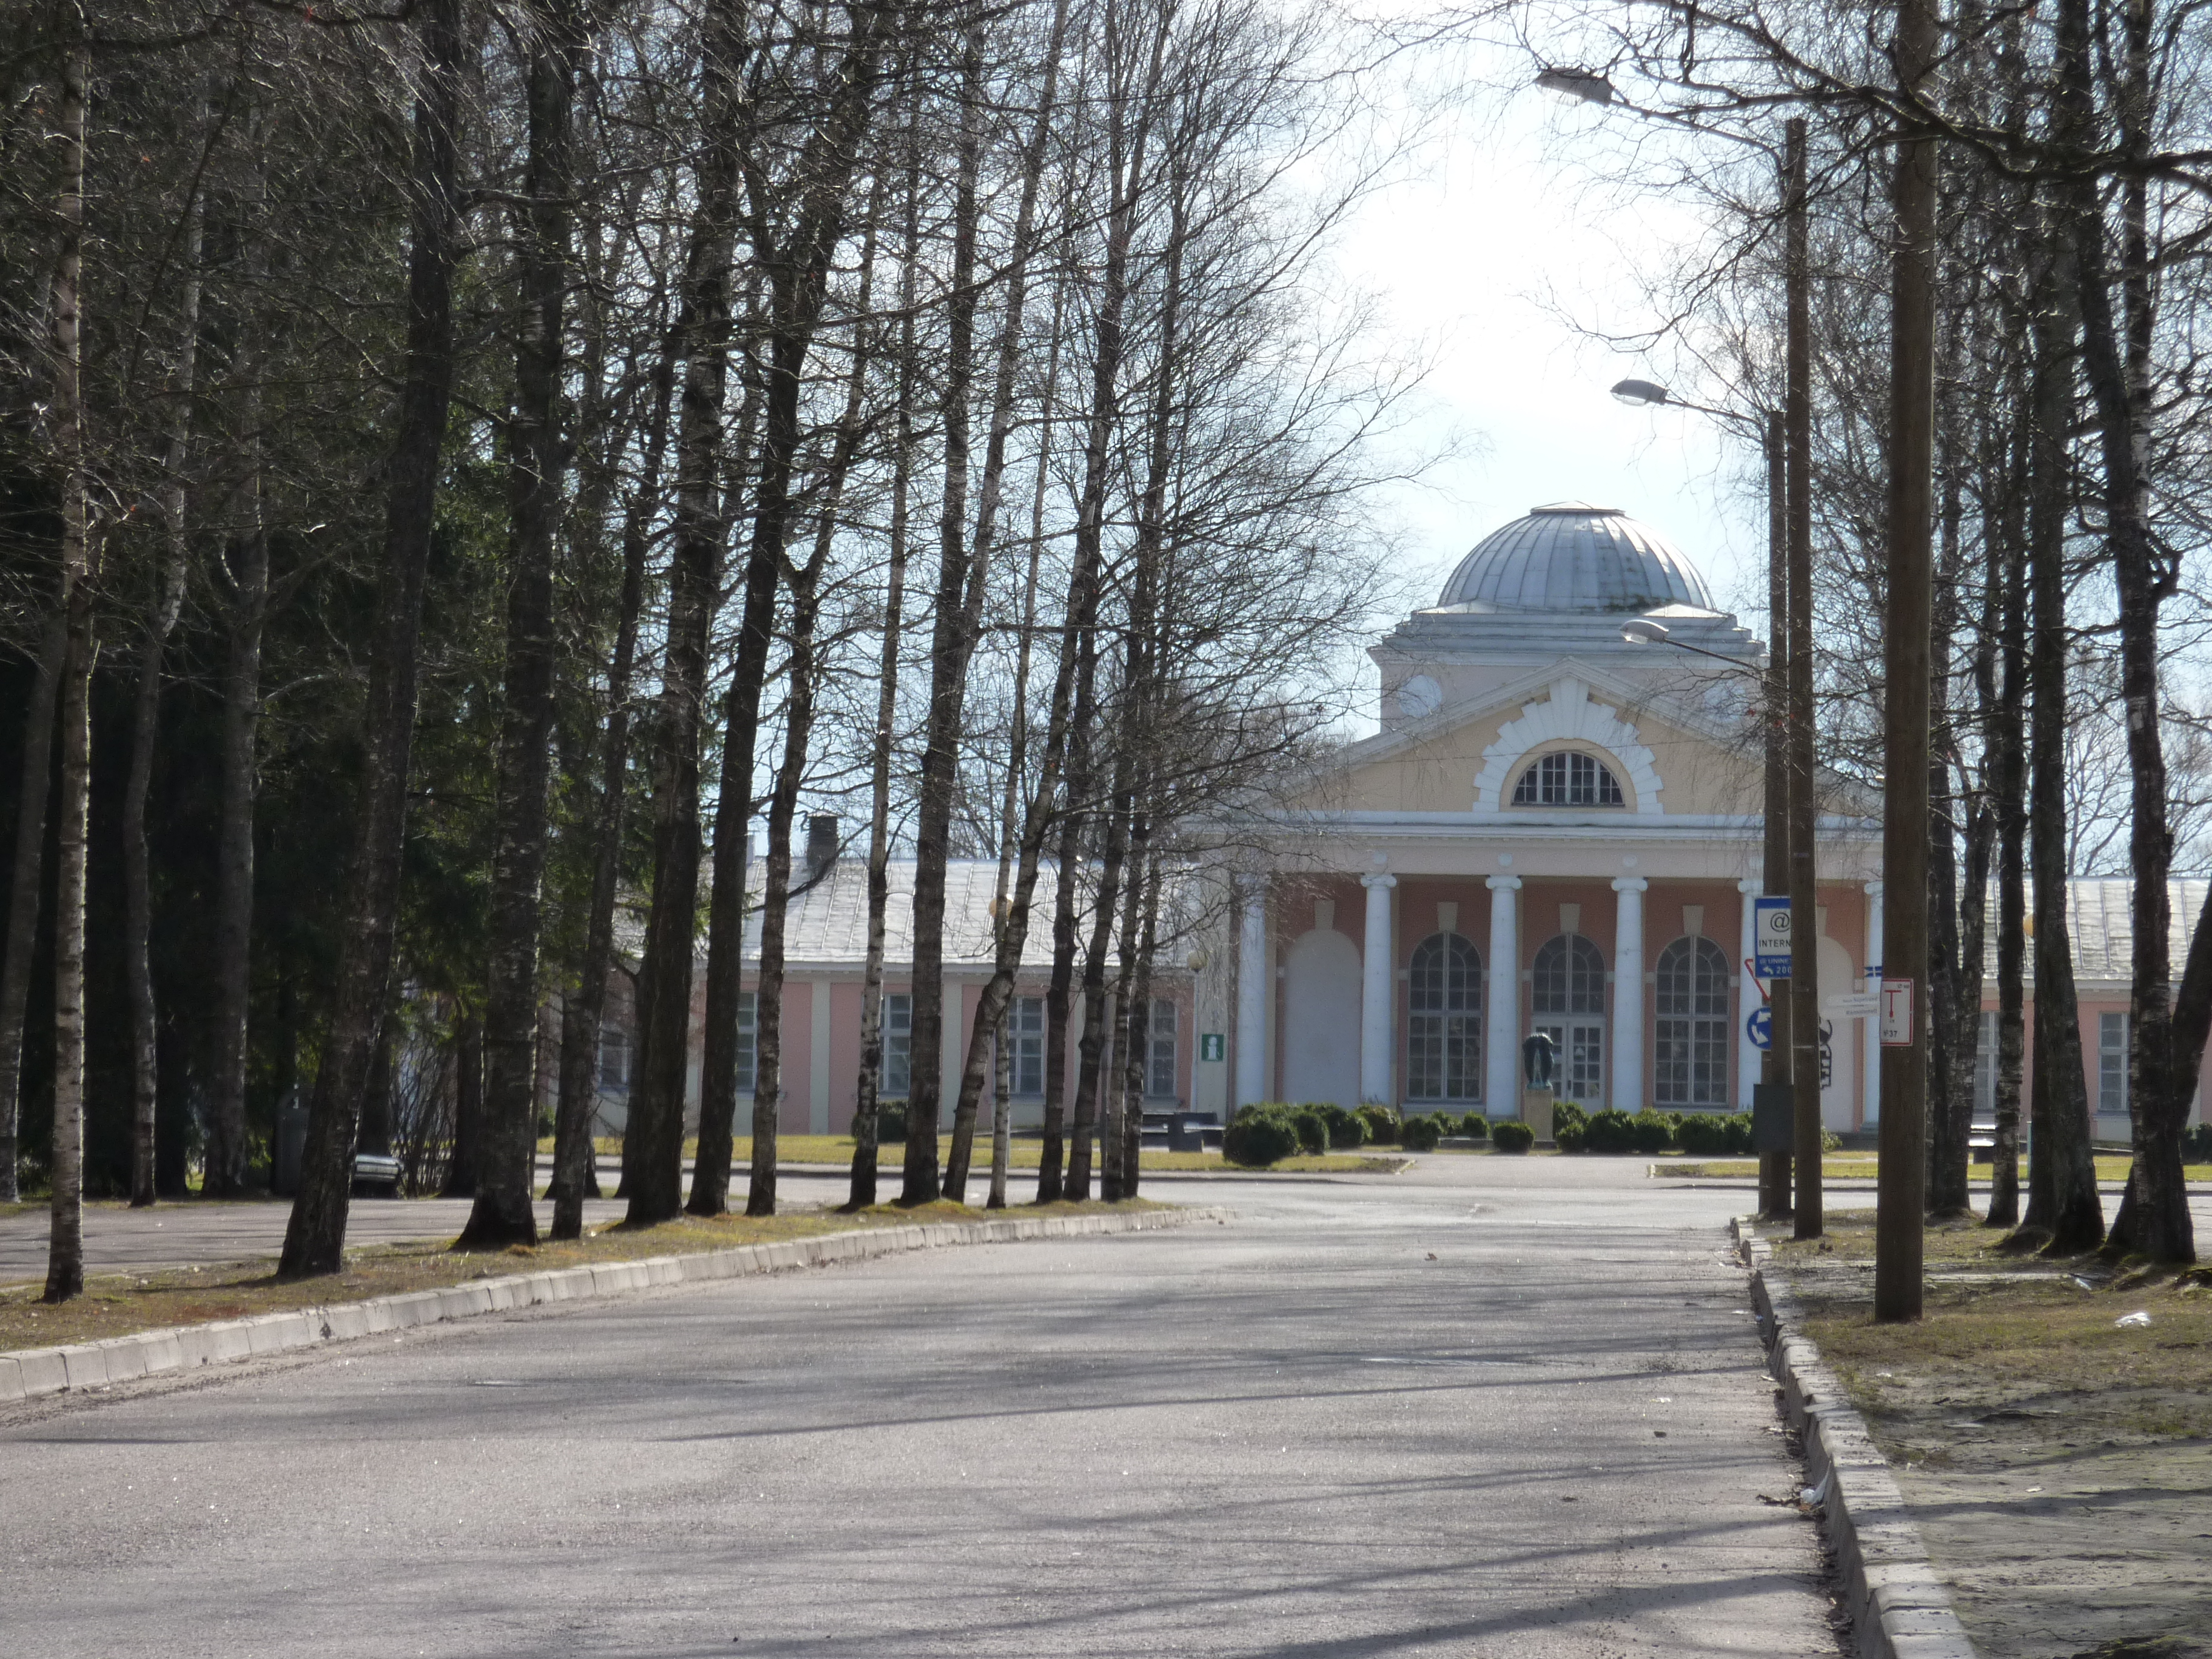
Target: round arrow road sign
(1760, 1028)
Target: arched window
(1570, 977)
(1569, 1003)
(1692, 1046)
(1567, 778)
(1443, 1029)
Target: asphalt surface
(1491, 1407)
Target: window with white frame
(1160, 1034)
(2111, 1065)
(748, 1038)
(614, 1059)
(1444, 1020)
(1025, 1036)
(1569, 778)
(1694, 1038)
(898, 1046)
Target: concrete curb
(27, 1373)
(1900, 1609)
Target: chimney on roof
(820, 844)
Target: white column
(1501, 1088)
(1870, 1072)
(1376, 982)
(1747, 1052)
(1256, 983)
(1628, 995)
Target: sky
(1496, 251)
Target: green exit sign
(1212, 1045)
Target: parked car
(375, 1175)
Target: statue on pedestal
(1539, 1053)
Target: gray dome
(1574, 558)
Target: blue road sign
(1760, 1028)
(1770, 936)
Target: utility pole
(1774, 878)
(1902, 1198)
(1804, 918)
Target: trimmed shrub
(1703, 1133)
(1739, 1131)
(1259, 1136)
(1610, 1132)
(1381, 1124)
(1475, 1126)
(1420, 1135)
(1346, 1130)
(1313, 1129)
(891, 1121)
(2197, 1144)
(1512, 1135)
(1654, 1131)
(1830, 1141)
(1568, 1137)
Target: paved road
(1485, 1408)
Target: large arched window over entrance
(1569, 778)
(1444, 1028)
(1692, 1045)
(1569, 1003)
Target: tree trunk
(584, 1013)
(2062, 1173)
(66, 1246)
(652, 1142)
(1091, 1048)
(1951, 1028)
(503, 1213)
(952, 642)
(2005, 771)
(775, 897)
(314, 1240)
(989, 492)
(34, 789)
(862, 1191)
(247, 573)
(797, 274)
(2154, 1219)
(146, 717)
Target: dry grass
(2110, 1167)
(118, 1304)
(2007, 1333)
(1024, 1154)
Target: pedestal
(1536, 1111)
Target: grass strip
(1029, 1155)
(117, 1304)
(2110, 1167)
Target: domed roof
(1574, 558)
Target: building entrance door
(1580, 1076)
(1569, 1005)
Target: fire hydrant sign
(1770, 937)
(1896, 1013)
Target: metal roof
(1571, 558)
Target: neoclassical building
(1555, 829)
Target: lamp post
(1776, 815)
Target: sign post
(1770, 937)
(1896, 1013)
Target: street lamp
(1788, 812)
(1642, 631)
(1587, 85)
